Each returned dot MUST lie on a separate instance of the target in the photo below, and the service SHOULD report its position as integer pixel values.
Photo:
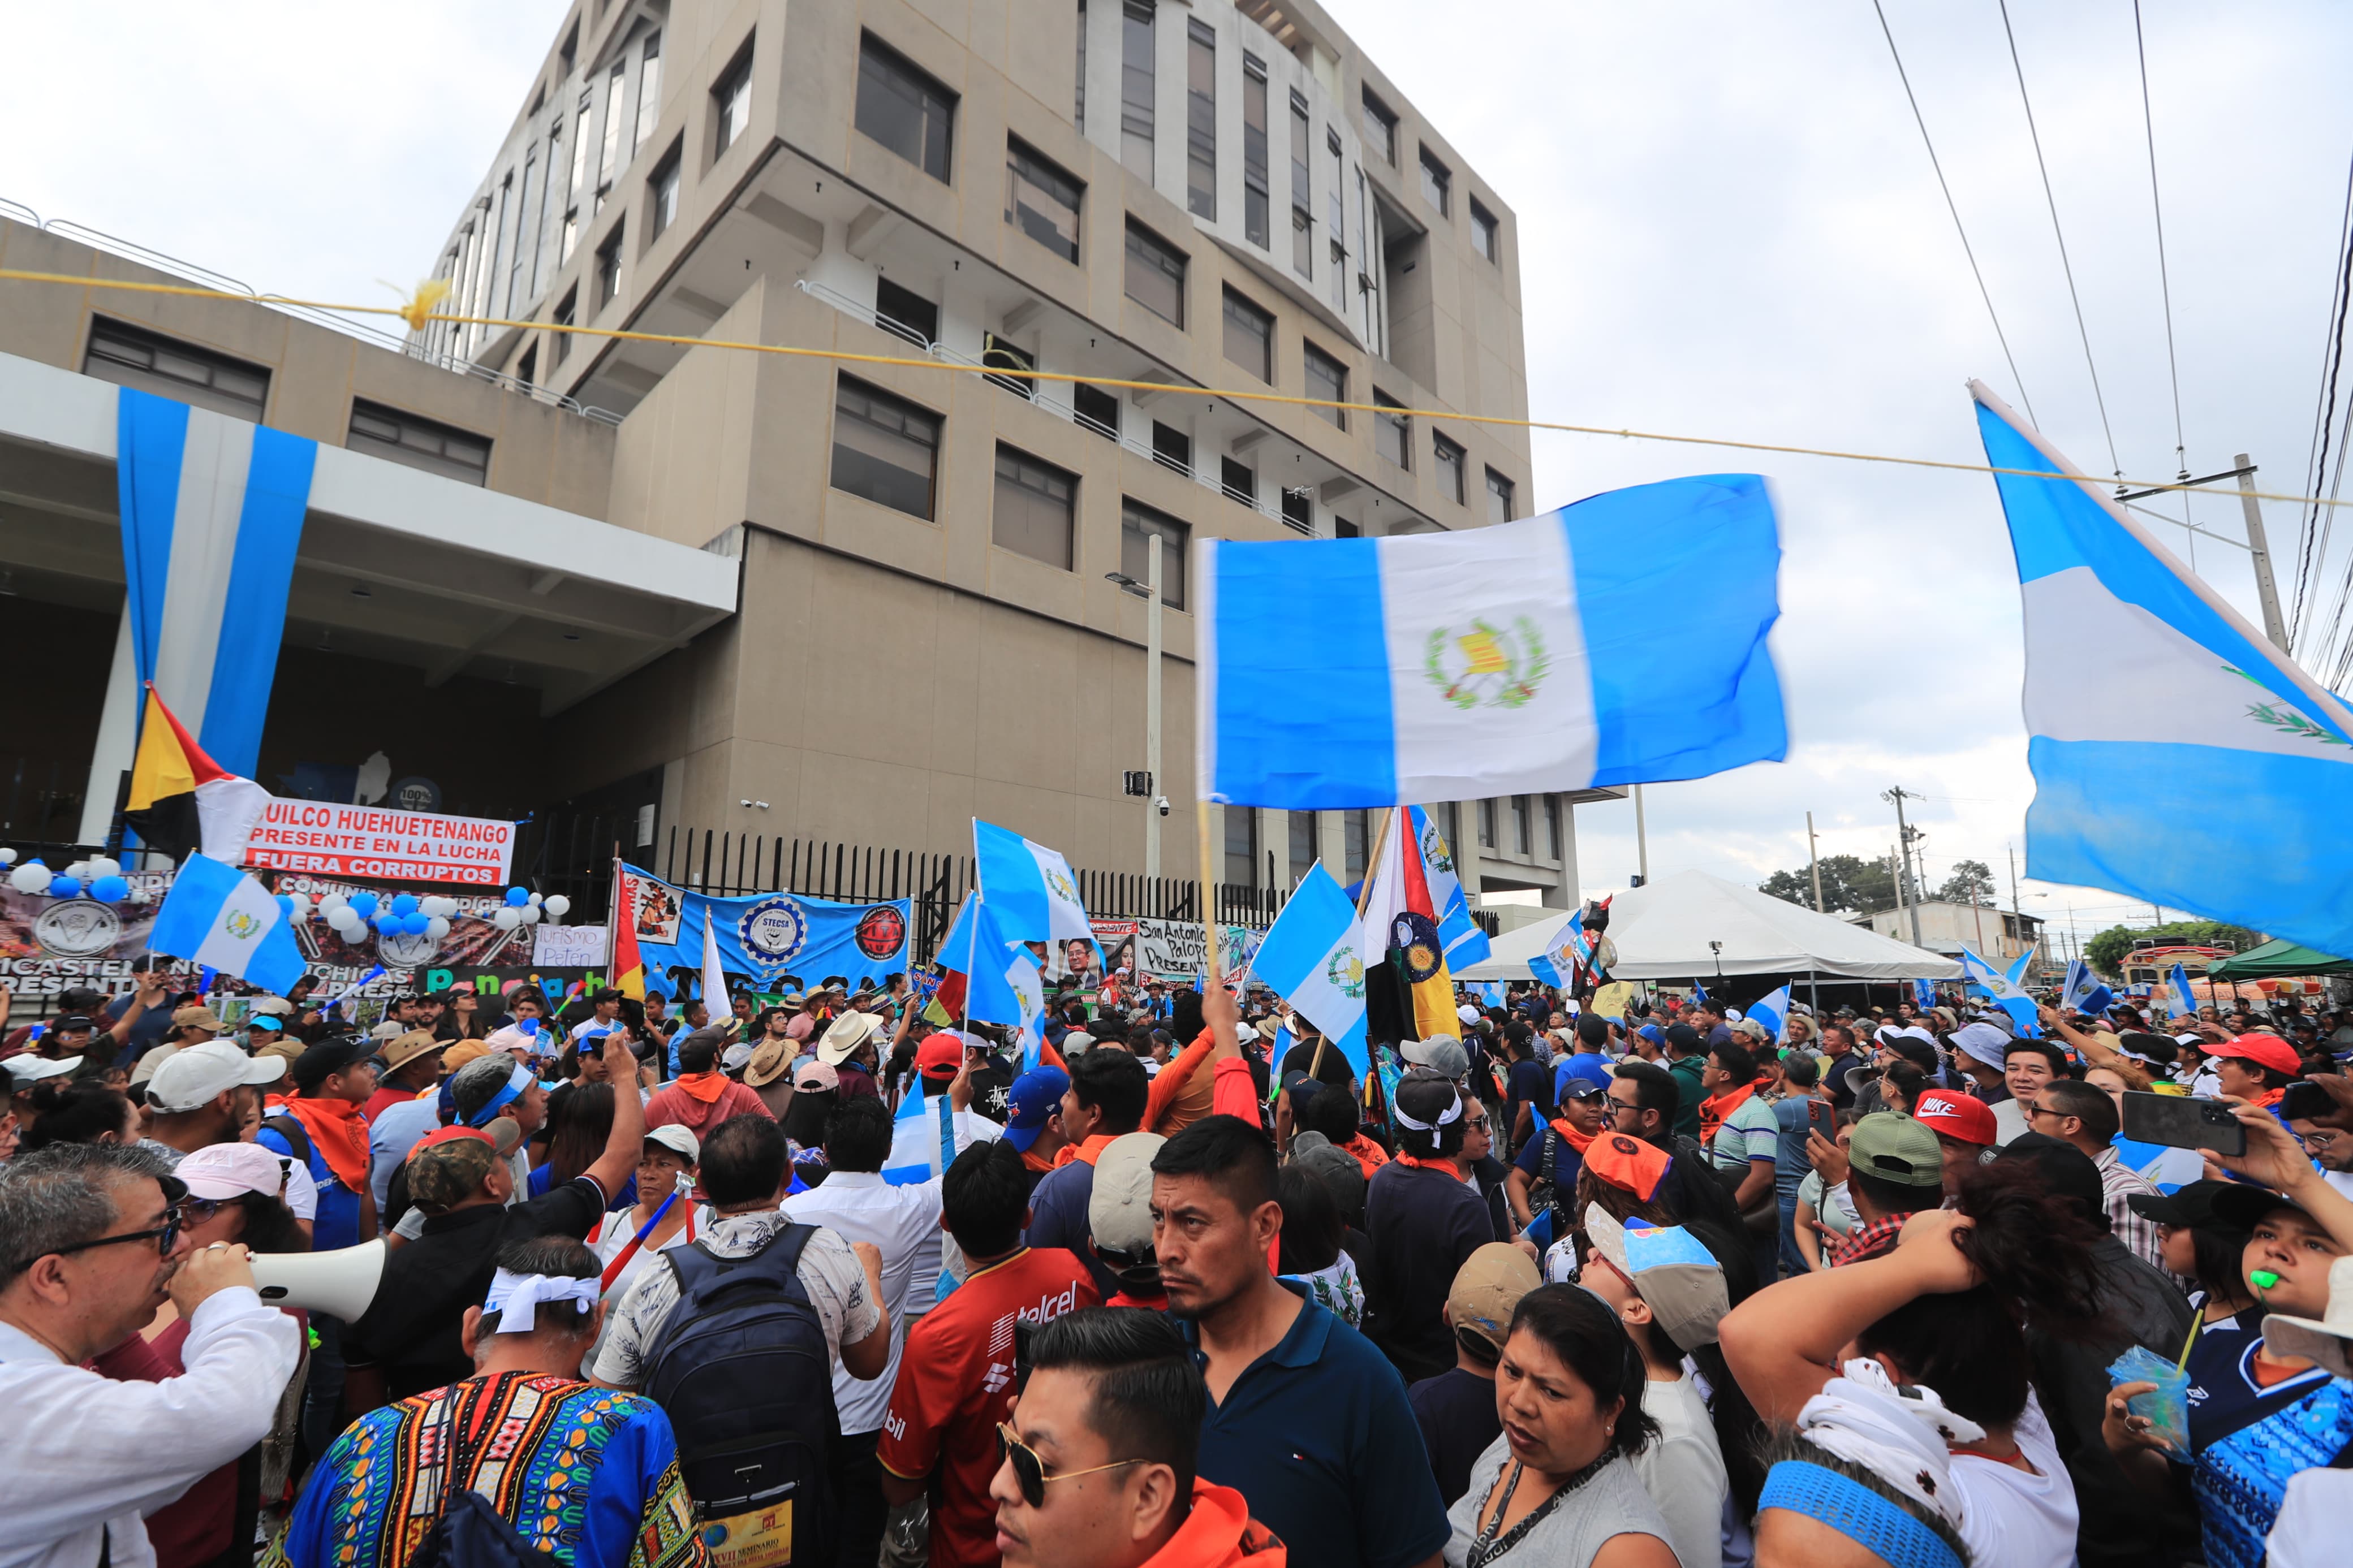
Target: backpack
(742, 1370)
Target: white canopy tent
(1664, 932)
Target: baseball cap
(1467, 1013)
(447, 1167)
(383, 1033)
(1442, 1054)
(1487, 1289)
(2264, 1050)
(1895, 1148)
(2192, 1204)
(2241, 1204)
(1627, 1162)
(679, 1139)
(197, 1015)
(1955, 1115)
(1032, 1103)
(736, 1056)
(464, 1051)
(29, 1069)
(812, 1074)
(1581, 1089)
(1981, 1040)
(940, 1056)
(75, 1021)
(221, 1170)
(1671, 1269)
(1119, 1209)
(195, 1075)
(322, 1061)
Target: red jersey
(955, 1384)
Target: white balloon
(7, 856)
(302, 905)
(102, 866)
(530, 913)
(32, 876)
(445, 908)
(334, 902)
(437, 928)
(345, 919)
(506, 918)
(559, 906)
(79, 871)
(536, 901)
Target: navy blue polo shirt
(1317, 1435)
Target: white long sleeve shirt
(66, 1505)
(903, 1224)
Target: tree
(1971, 883)
(2106, 952)
(1849, 883)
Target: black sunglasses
(1030, 1470)
(163, 1236)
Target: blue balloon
(387, 923)
(110, 889)
(518, 896)
(365, 904)
(285, 901)
(414, 923)
(405, 905)
(63, 887)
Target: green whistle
(2263, 1280)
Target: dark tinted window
(885, 448)
(904, 109)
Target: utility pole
(2017, 917)
(1814, 855)
(1896, 874)
(1152, 710)
(2260, 547)
(1903, 841)
(1643, 844)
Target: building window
(1355, 842)
(730, 102)
(1172, 448)
(648, 92)
(1250, 337)
(1302, 224)
(1156, 274)
(1241, 846)
(1483, 233)
(1381, 129)
(1302, 834)
(1552, 827)
(903, 108)
(1448, 467)
(1079, 105)
(1036, 512)
(1335, 218)
(1202, 121)
(1001, 356)
(885, 448)
(904, 313)
(1487, 824)
(1135, 78)
(1450, 822)
(661, 208)
(1138, 524)
(1342, 529)
(1299, 509)
(565, 313)
(1327, 378)
(1096, 409)
(580, 126)
(1392, 432)
(608, 268)
(524, 233)
(418, 443)
(1521, 839)
(1499, 498)
(527, 372)
(1041, 200)
(1238, 480)
(608, 156)
(1254, 152)
(1437, 184)
(128, 356)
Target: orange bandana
(340, 1133)
(1086, 1151)
(1577, 1140)
(706, 1087)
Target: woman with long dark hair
(78, 1110)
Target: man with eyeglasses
(90, 1246)
(1096, 1463)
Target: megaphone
(341, 1283)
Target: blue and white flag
(767, 936)
(2183, 999)
(1524, 657)
(354, 989)
(1923, 994)
(1001, 982)
(217, 916)
(1465, 938)
(2178, 758)
(1773, 1012)
(2004, 988)
(1313, 957)
(1557, 965)
(1030, 890)
(1491, 992)
(2083, 991)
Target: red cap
(1955, 1115)
(940, 1055)
(1627, 1163)
(451, 1135)
(2266, 1050)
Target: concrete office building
(1215, 195)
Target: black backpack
(742, 1370)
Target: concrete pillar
(1468, 857)
(1566, 894)
(118, 729)
(1275, 824)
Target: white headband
(1453, 1113)
(516, 1298)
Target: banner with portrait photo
(770, 936)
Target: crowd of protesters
(827, 1279)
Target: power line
(2066, 266)
(2164, 277)
(2312, 543)
(1953, 207)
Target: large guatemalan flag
(2178, 757)
(1531, 656)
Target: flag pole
(1212, 954)
(1364, 897)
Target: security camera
(1162, 804)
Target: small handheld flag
(216, 915)
(2184, 1000)
(1313, 957)
(1773, 1012)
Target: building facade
(989, 244)
(1995, 935)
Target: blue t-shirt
(1790, 1163)
(1057, 1217)
(1590, 1066)
(2241, 1475)
(1318, 1435)
(337, 1223)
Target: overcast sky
(1728, 225)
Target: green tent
(2276, 958)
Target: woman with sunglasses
(234, 1196)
